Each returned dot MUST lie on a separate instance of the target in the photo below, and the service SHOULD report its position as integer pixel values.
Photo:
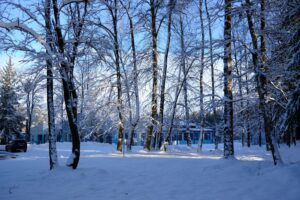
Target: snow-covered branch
(22, 27)
(67, 2)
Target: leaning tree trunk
(183, 65)
(153, 121)
(261, 82)
(228, 104)
(164, 77)
(135, 82)
(177, 93)
(50, 103)
(70, 97)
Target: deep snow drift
(181, 173)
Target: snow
(181, 173)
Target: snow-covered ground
(181, 173)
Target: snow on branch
(22, 27)
(26, 11)
(67, 2)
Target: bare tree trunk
(242, 113)
(248, 106)
(153, 123)
(261, 82)
(247, 113)
(183, 65)
(259, 134)
(201, 77)
(135, 83)
(28, 115)
(31, 111)
(228, 104)
(129, 103)
(50, 103)
(177, 93)
(62, 117)
(216, 138)
(67, 75)
(71, 98)
(164, 77)
(82, 99)
(114, 16)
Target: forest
(135, 69)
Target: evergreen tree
(10, 118)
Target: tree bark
(228, 104)
(200, 142)
(135, 82)
(114, 15)
(185, 91)
(134, 122)
(177, 93)
(248, 107)
(28, 115)
(67, 75)
(244, 120)
(153, 122)
(50, 103)
(216, 135)
(261, 82)
(164, 76)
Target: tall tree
(135, 121)
(64, 53)
(171, 6)
(50, 103)
(289, 54)
(201, 74)
(212, 70)
(66, 60)
(228, 104)
(185, 90)
(114, 14)
(261, 81)
(154, 5)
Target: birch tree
(228, 104)
(136, 119)
(201, 74)
(50, 102)
(171, 6)
(154, 7)
(63, 52)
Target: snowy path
(180, 174)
